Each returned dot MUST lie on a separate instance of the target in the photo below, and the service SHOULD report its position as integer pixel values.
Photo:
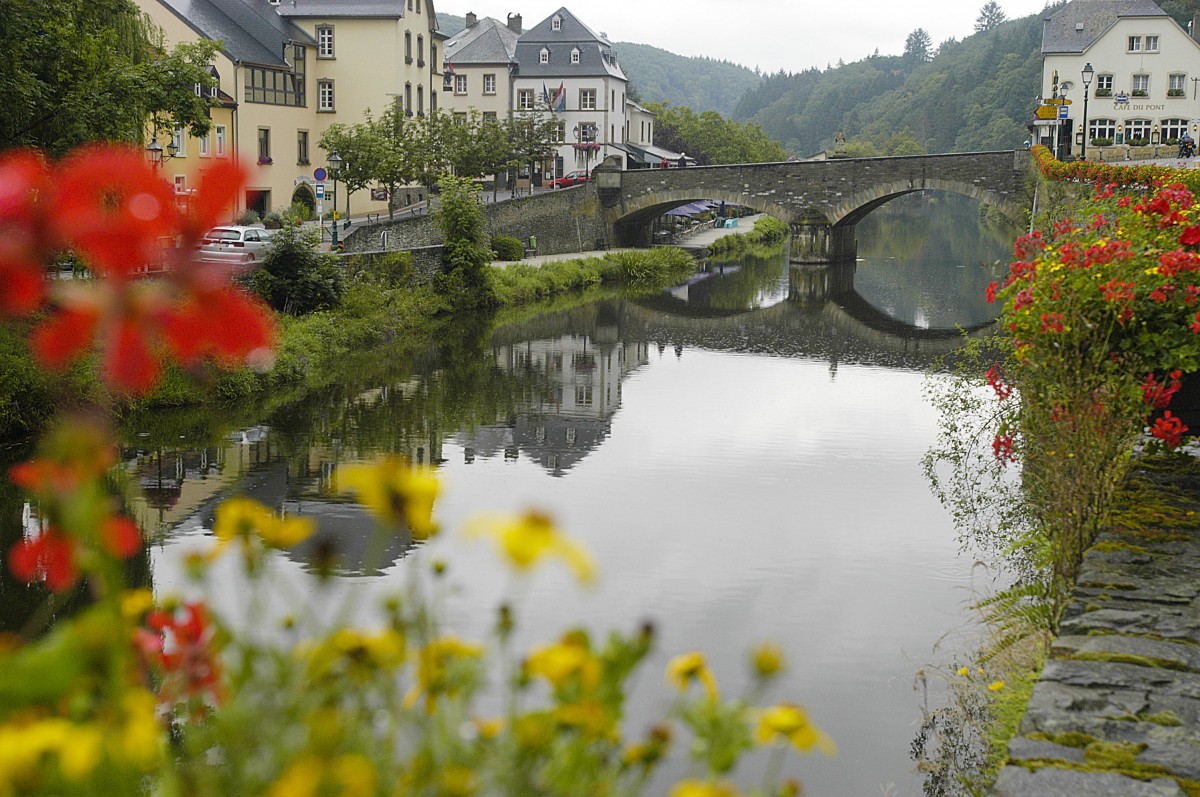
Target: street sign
(320, 207)
(1062, 111)
(320, 190)
(319, 173)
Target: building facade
(289, 69)
(478, 66)
(1145, 69)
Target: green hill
(655, 75)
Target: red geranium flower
(48, 557)
(23, 181)
(1168, 429)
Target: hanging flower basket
(588, 146)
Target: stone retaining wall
(1120, 694)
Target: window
(433, 56)
(544, 56)
(1102, 129)
(181, 184)
(575, 55)
(418, 6)
(179, 141)
(219, 140)
(420, 51)
(325, 41)
(433, 102)
(278, 86)
(408, 42)
(1175, 85)
(1104, 84)
(325, 96)
(1135, 44)
(525, 100)
(489, 117)
(408, 99)
(559, 134)
(1173, 129)
(1151, 44)
(302, 147)
(1137, 129)
(1141, 85)
(420, 100)
(205, 143)
(556, 23)
(587, 99)
(460, 117)
(588, 132)
(460, 84)
(264, 145)
(489, 84)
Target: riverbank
(1117, 708)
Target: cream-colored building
(292, 68)
(1145, 69)
(478, 63)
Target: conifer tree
(989, 17)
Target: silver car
(237, 244)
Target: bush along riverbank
(1101, 321)
(768, 231)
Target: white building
(478, 65)
(1145, 73)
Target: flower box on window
(1174, 92)
(1103, 92)
(1140, 93)
(267, 161)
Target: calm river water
(743, 468)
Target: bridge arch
(857, 206)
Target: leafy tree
(87, 70)
(531, 139)
(918, 48)
(360, 150)
(711, 138)
(389, 158)
(295, 277)
(467, 253)
(989, 17)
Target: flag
(558, 103)
(449, 68)
(546, 95)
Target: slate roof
(596, 55)
(1078, 25)
(250, 30)
(488, 41)
(360, 9)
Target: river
(743, 468)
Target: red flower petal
(217, 196)
(64, 337)
(120, 537)
(129, 365)
(23, 560)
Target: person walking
(682, 160)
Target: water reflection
(925, 259)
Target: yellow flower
(589, 717)
(457, 781)
(244, 518)
(683, 669)
(791, 723)
(141, 740)
(395, 492)
(995, 686)
(964, 671)
(768, 660)
(434, 664)
(489, 729)
(349, 651)
(527, 539)
(701, 788)
(569, 658)
(135, 603)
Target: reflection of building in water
(580, 390)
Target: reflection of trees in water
(752, 280)
(927, 259)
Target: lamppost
(1088, 72)
(155, 153)
(335, 167)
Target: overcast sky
(770, 34)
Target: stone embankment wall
(1117, 709)
(566, 220)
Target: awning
(653, 154)
(633, 153)
(691, 209)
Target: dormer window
(575, 55)
(555, 24)
(544, 56)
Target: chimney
(471, 19)
(514, 23)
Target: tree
(359, 149)
(389, 159)
(918, 48)
(531, 139)
(711, 138)
(295, 277)
(87, 70)
(989, 17)
(466, 254)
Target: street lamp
(1088, 73)
(155, 153)
(335, 166)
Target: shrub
(248, 218)
(465, 277)
(507, 247)
(294, 277)
(273, 220)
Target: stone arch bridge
(820, 200)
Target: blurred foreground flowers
(139, 693)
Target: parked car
(238, 244)
(571, 178)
